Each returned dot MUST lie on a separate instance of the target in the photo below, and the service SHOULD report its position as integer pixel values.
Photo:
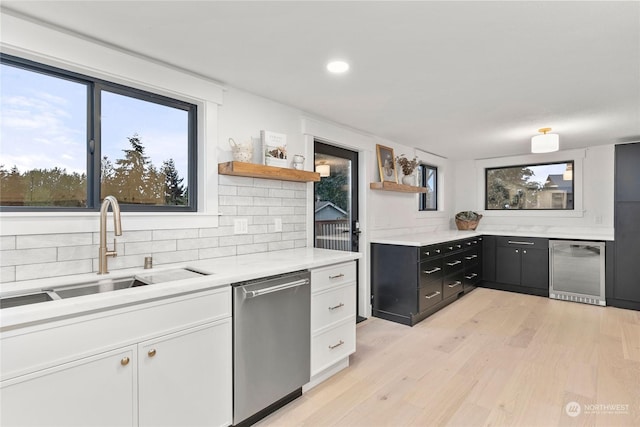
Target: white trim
(578, 174)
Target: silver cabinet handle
(456, 283)
(471, 257)
(471, 276)
(335, 307)
(468, 243)
(427, 253)
(437, 251)
(331, 347)
(458, 246)
(450, 248)
(435, 294)
(456, 262)
(337, 276)
(516, 242)
(433, 270)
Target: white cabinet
(93, 391)
(167, 362)
(185, 378)
(333, 319)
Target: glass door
(336, 223)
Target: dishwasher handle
(276, 288)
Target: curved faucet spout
(104, 252)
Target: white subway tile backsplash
(237, 239)
(278, 246)
(253, 191)
(259, 201)
(69, 253)
(235, 201)
(185, 233)
(27, 256)
(53, 240)
(217, 252)
(7, 243)
(7, 274)
(200, 243)
(171, 257)
(252, 249)
(52, 269)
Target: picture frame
(386, 164)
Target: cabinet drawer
(453, 263)
(429, 295)
(333, 345)
(332, 306)
(471, 243)
(522, 242)
(430, 271)
(429, 252)
(452, 246)
(333, 275)
(452, 285)
(472, 275)
(470, 257)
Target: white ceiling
(459, 79)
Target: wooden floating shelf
(400, 188)
(255, 170)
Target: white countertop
(223, 272)
(423, 239)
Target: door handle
(253, 294)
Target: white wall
(594, 187)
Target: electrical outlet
(240, 226)
(277, 224)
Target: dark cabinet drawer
(452, 285)
(452, 246)
(470, 257)
(453, 263)
(429, 295)
(430, 271)
(429, 252)
(522, 242)
(471, 277)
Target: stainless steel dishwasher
(271, 344)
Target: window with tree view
(548, 186)
(70, 140)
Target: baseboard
(326, 374)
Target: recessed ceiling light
(337, 67)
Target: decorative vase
(409, 180)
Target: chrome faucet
(104, 252)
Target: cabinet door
(535, 268)
(489, 258)
(508, 265)
(627, 252)
(94, 391)
(185, 378)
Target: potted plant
(467, 220)
(408, 166)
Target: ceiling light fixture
(337, 67)
(545, 143)
(323, 170)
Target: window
(428, 177)
(69, 140)
(548, 186)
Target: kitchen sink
(98, 286)
(25, 299)
(90, 288)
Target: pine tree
(174, 192)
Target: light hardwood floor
(491, 358)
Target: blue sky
(44, 124)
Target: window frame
(95, 86)
(422, 200)
(524, 165)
